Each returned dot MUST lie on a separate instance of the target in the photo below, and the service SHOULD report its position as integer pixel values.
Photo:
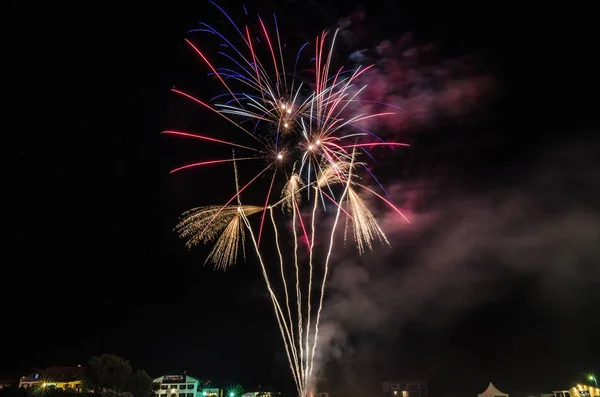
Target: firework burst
(223, 224)
(309, 142)
(364, 224)
(292, 193)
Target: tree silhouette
(108, 373)
(140, 384)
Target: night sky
(496, 279)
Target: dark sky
(496, 280)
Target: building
(183, 386)
(578, 391)
(9, 379)
(405, 388)
(261, 391)
(32, 380)
(65, 378)
(531, 392)
(6, 383)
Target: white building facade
(578, 391)
(183, 386)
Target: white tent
(491, 391)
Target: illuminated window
(404, 393)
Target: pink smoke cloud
(421, 88)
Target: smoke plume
(470, 249)
(423, 87)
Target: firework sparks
(291, 193)
(365, 226)
(309, 125)
(207, 224)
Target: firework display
(309, 143)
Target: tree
(140, 384)
(108, 373)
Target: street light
(593, 378)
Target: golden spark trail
(239, 199)
(364, 223)
(294, 184)
(236, 178)
(326, 271)
(204, 224)
(262, 219)
(298, 293)
(310, 269)
(346, 226)
(225, 250)
(287, 295)
(276, 306)
(236, 195)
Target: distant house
(261, 391)
(64, 378)
(9, 379)
(531, 392)
(578, 391)
(6, 383)
(405, 388)
(182, 385)
(32, 380)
